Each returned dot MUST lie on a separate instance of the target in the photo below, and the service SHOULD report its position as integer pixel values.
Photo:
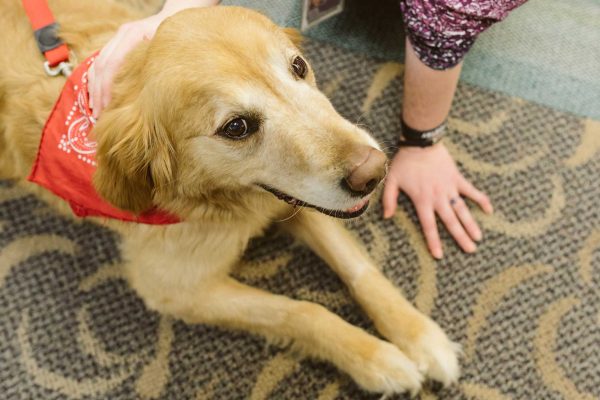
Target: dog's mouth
(351, 212)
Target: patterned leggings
(443, 31)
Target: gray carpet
(525, 307)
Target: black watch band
(414, 138)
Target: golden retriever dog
(218, 120)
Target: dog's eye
(240, 127)
(299, 67)
(236, 128)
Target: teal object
(546, 51)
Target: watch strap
(415, 138)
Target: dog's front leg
(373, 363)
(413, 332)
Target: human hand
(106, 65)
(431, 179)
(111, 57)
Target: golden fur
(157, 146)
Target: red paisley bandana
(66, 161)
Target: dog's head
(222, 100)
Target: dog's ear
(295, 36)
(134, 157)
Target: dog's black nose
(368, 168)
(361, 192)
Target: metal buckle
(46, 37)
(65, 68)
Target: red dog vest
(66, 160)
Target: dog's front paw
(388, 371)
(435, 355)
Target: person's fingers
(95, 93)
(95, 84)
(91, 76)
(464, 215)
(102, 73)
(105, 78)
(427, 219)
(390, 198)
(466, 188)
(107, 81)
(454, 226)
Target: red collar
(66, 159)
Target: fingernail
(438, 254)
(471, 248)
(478, 236)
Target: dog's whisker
(296, 211)
(360, 117)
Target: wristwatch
(415, 138)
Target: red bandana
(66, 161)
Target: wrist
(421, 150)
(410, 137)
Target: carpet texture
(525, 307)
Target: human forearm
(428, 93)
